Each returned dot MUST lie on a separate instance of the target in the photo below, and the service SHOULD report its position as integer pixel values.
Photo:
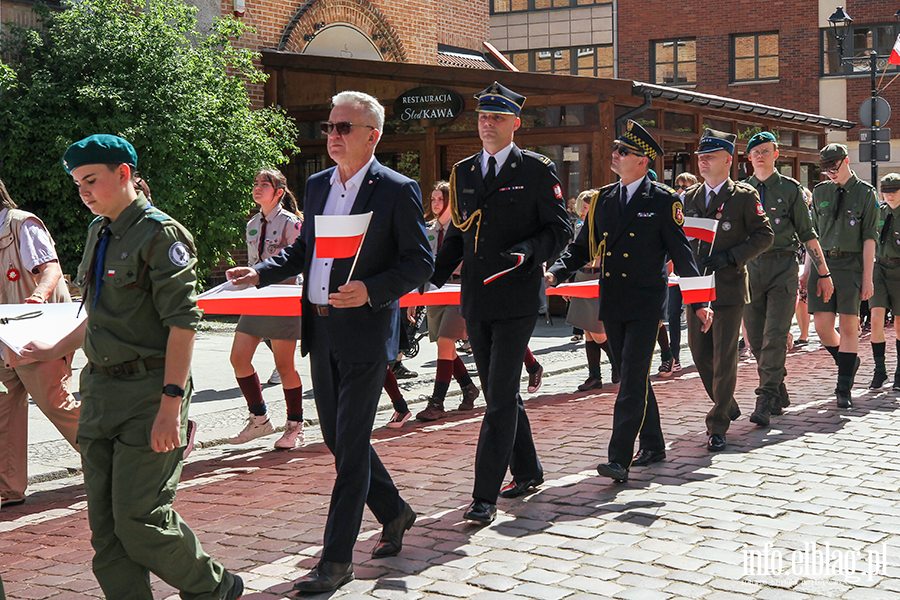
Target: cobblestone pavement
(818, 480)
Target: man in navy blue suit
(349, 328)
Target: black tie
(711, 199)
(623, 200)
(837, 205)
(761, 189)
(491, 172)
(886, 229)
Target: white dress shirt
(709, 189)
(500, 157)
(340, 200)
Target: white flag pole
(358, 250)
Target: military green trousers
(774, 279)
(130, 490)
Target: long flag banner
(698, 289)
(445, 296)
(700, 228)
(229, 299)
(340, 236)
(582, 289)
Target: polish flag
(698, 289)
(895, 53)
(340, 236)
(701, 229)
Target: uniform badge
(298, 225)
(557, 191)
(179, 254)
(273, 249)
(852, 222)
(825, 204)
(760, 210)
(678, 213)
(12, 274)
(778, 220)
(726, 226)
(253, 232)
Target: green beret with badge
(763, 137)
(100, 149)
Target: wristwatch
(173, 390)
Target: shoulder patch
(157, 215)
(537, 156)
(744, 186)
(179, 254)
(665, 187)
(760, 210)
(678, 213)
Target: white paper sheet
(55, 322)
(229, 290)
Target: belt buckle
(115, 370)
(322, 310)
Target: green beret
(831, 154)
(890, 182)
(761, 138)
(100, 149)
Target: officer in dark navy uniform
(507, 209)
(631, 226)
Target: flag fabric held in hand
(701, 229)
(698, 289)
(895, 53)
(340, 236)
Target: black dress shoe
(878, 380)
(647, 457)
(591, 383)
(326, 576)
(716, 443)
(613, 471)
(391, 540)
(516, 489)
(482, 511)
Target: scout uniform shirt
(282, 228)
(889, 233)
(856, 221)
(782, 199)
(149, 283)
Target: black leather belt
(888, 262)
(130, 368)
(321, 309)
(839, 254)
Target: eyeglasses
(343, 127)
(623, 151)
(833, 170)
(764, 153)
(681, 187)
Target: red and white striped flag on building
(895, 53)
(698, 289)
(340, 236)
(700, 228)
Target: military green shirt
(889, 233)
(149, 285)
(857, 220)
(782, 198)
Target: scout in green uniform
(886, 278)
(845, 215)
(138, 280)
(743, 232)
(774, 274)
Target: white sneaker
(255, 427)
(293, 436)
(275, 377)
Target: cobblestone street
(698, 525)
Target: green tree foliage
(141, 70)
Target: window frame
(756, 56)
(675, 61)
(573, 59)
(858, 68)
(531, 7)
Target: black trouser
(632, 344)
(347, 395)
(505, 438)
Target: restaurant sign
(428, 105)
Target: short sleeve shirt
(35, 246)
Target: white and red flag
(698, 289)
(895, 53)
(340, 236)
(700, 228)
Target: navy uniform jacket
(524, 203)
(394, 259)
(743, 230)
(633, 249)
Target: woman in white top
(276, 225)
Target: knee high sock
(592, 349)
(662, 338)
(846, 369)
(878, 350)
(833, 350)
(605, 347)
(531, 363)
(897, 344)
(442, 379)
(393, 392)
(294, 400)
(461, 373)
(252, 391)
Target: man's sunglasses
(681, 187)
(623, 151)
(343, 127)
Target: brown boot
(433, 412)
(470, 393)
